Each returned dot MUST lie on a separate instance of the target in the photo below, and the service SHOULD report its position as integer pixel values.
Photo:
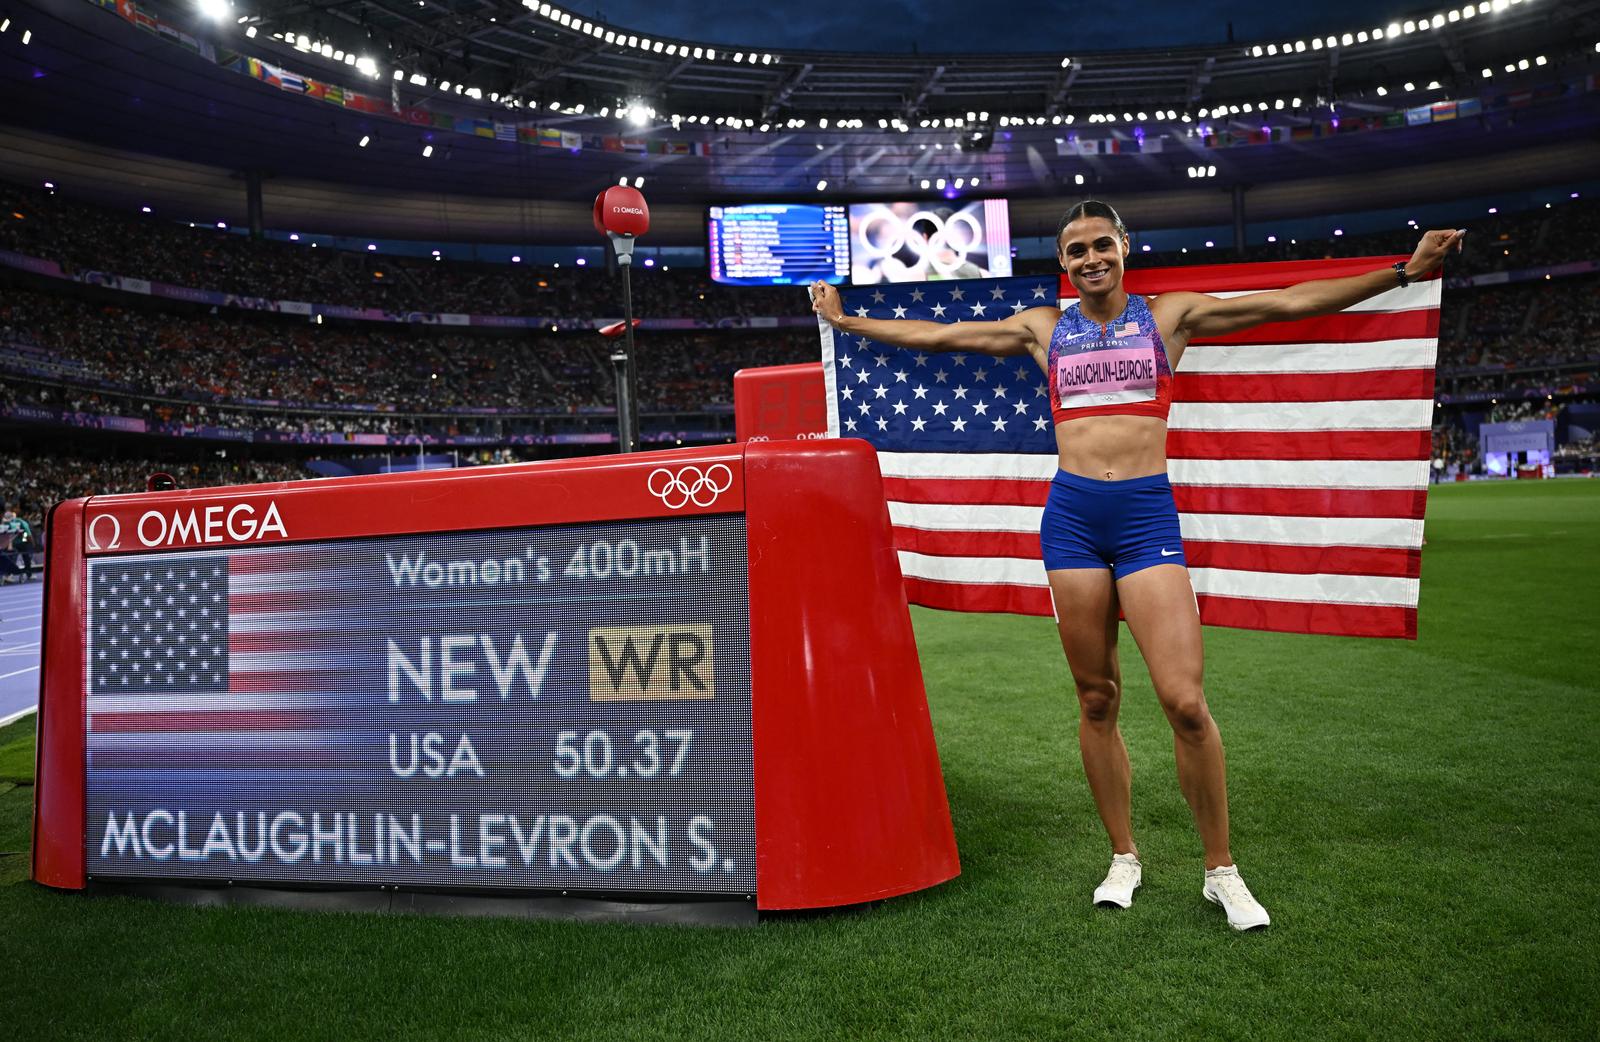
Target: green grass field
(1422, 819)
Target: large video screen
(777, 244)
(917, 242)
(563, 707)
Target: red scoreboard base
(678, 686)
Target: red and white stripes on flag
(1298, 453)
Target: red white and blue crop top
(1118, 368)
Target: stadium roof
(90, 77)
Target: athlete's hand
(826, 303)
(1430, 252)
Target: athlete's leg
(1086, 606)
(1159, 604)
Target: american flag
(160, 627)
(1298, 451)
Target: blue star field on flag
(159, 627)
(920, 401)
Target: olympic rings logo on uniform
(677, 489)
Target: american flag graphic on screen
(1298, 450)
(160, 627)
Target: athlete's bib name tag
(1107, 377)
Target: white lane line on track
(17, 672)
(18, 715)
(23, 629)
(30, 647)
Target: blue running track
(21, 613)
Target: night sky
(935, 26)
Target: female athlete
(1110, 529)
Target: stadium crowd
(249, 357)
(83, 237)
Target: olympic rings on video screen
(882, 233)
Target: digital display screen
(778, 244)
(556, 707)
(919, 242)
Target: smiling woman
(1110, 535)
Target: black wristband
(1400, 273)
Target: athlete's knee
(1187, 713)
(1098, 698)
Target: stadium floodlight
(427, 150)
(1272, 238)
(1211, 171)
(638, 182)
(365, 139)
(418, 80)
(1487, 73)
(215, 10)
(711, 55)
(1523, 65)
(973, 182)
(1434, 85)
(1541, 60)
(926, 184)
(822, 185)
(1410, 86)
(144, 209)
(1382, 92)
(294, 236)
(766, 59)
(1077, 179)
(250, 32)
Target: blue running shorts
(1121, 525)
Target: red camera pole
(621, 215)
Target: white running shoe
(1225, 887)
(1124, 878)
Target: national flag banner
(505, 131)
(1298, 451)
(549, 137)
(635, 144)
(1443, 110)
(571, 141)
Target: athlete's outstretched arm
(1201, 315)
(1008, 336)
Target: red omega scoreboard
(675, 677)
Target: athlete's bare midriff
(1112, 448)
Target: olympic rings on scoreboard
(677, 489)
